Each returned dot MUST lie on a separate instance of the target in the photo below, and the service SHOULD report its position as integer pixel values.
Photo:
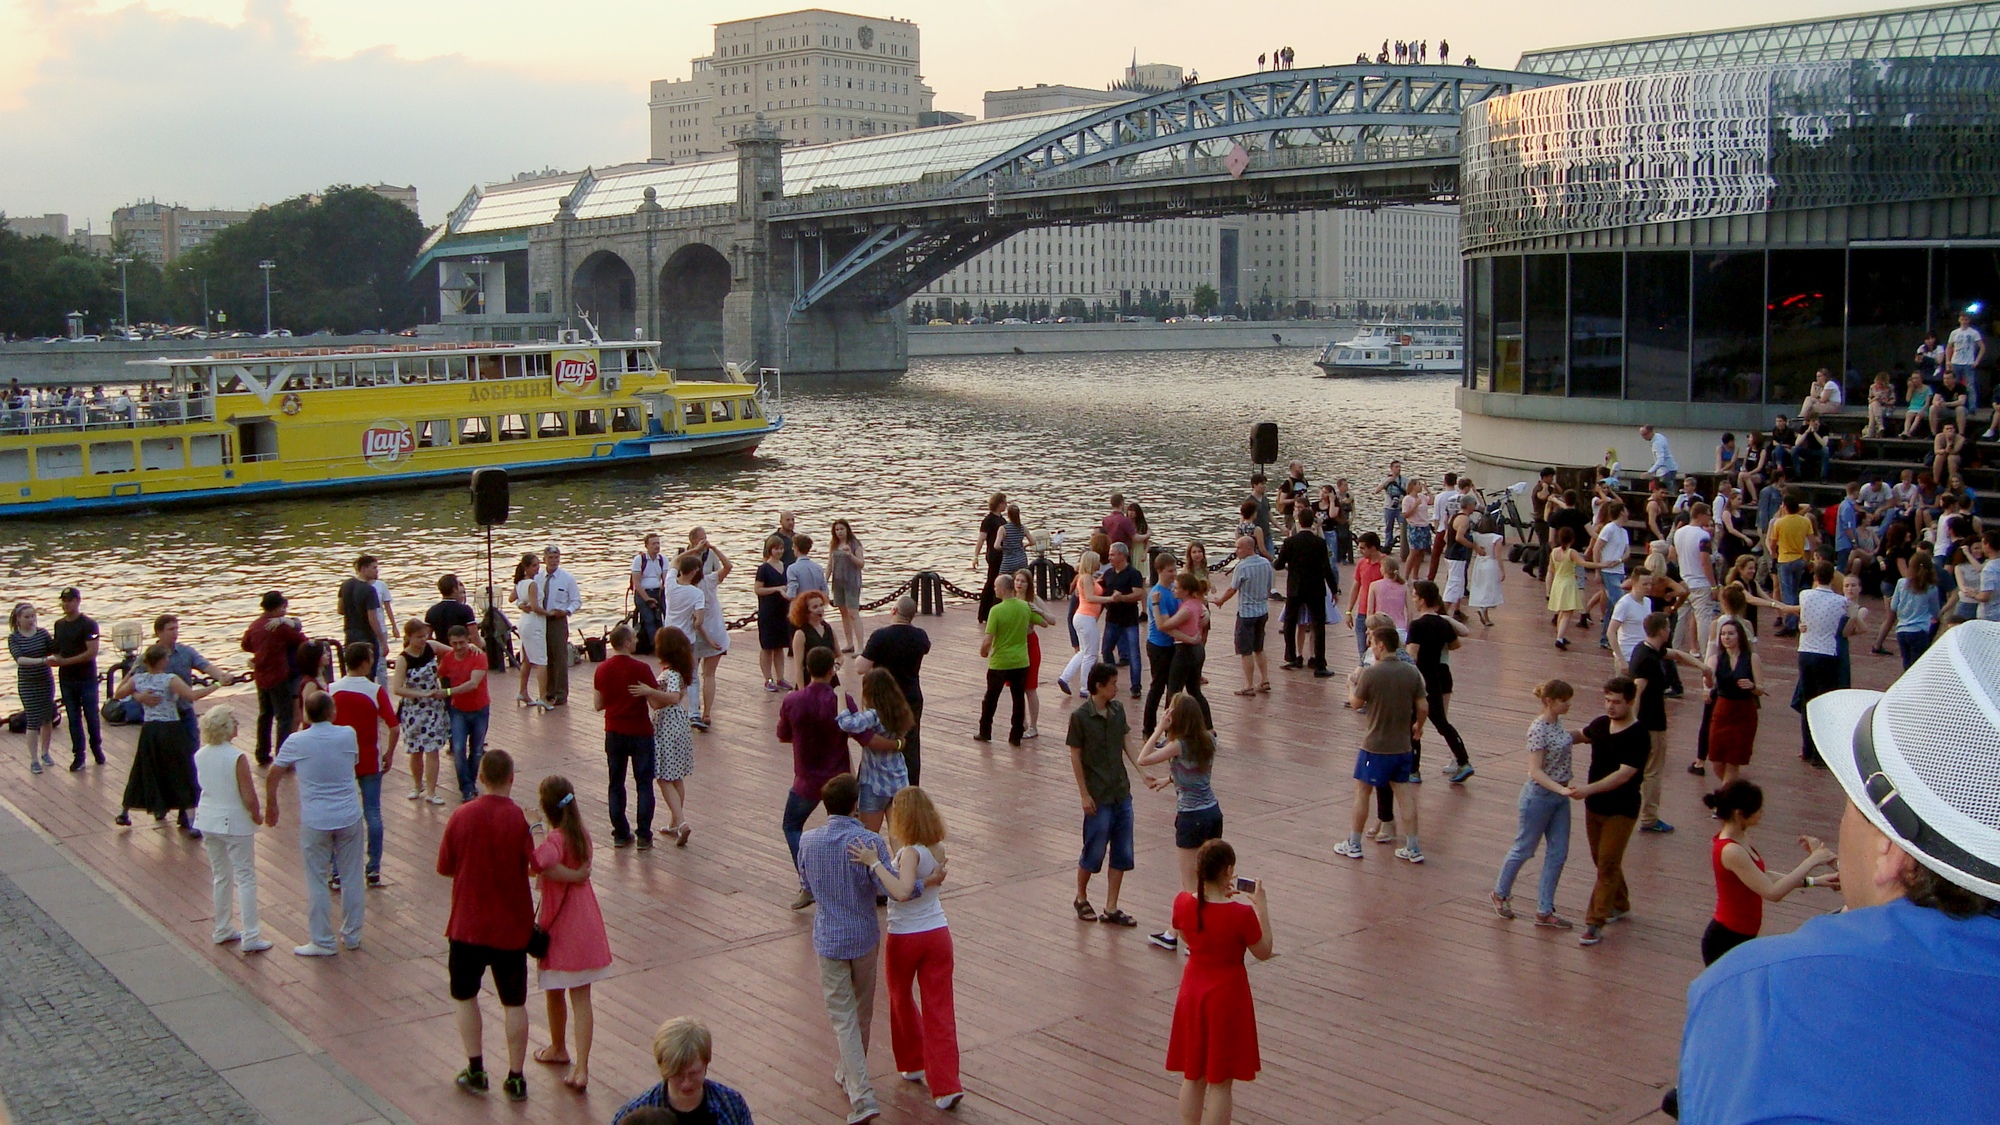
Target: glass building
(1687, 248)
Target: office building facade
(162, 232)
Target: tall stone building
(165, 231)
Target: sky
(236, 103)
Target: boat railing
(110, 414)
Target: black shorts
(1193, 829)
(1250, 634)
(467, 963)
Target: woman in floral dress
(423, 710)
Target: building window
(1507, 326)
(1656, 326)
(1727, 356)
(1807, 293)
(1596, 325)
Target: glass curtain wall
(1656, 326)
(1546, 297)
(1972, 278)
(1507, 343)
(1479, 357)
(1805, 300)
(1887, 301)
(1728, 353)
(1596, 325)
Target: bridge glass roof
(1968, 28)
(899, 158)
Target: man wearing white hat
(1885, 1012)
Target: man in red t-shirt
(485, 852)
(628, 732)
(463, 672)
(362, 705)
(271, 640)
(1367, 568)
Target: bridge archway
(606, 291)
(693, 284)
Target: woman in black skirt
(992, 532)
(162, 774)
(774, 631)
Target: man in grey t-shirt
(332, 839)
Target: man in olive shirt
(1392, 691)
(1098, 744)
(1005, 648)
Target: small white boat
(1396, 349)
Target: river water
(909, 460)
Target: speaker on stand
(489, 506)
(1264, 444)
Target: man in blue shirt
(332, 838)
(1161, 603)
(1884, 1013)
(845, 932)
(1846, 526)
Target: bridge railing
(1156, 166)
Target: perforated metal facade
(1971, 28)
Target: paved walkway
(104, 1016)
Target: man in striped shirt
(1252, 580)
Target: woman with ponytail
(579, 952)
(1214, 1039)
(1741, 885)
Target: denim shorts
(1110, 826)
(1196, 827)
(1383, 769)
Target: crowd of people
(1139, 614)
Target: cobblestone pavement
(77, 1046)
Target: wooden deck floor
(1397, 996)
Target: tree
(1205, 299)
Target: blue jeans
(1913, 644)
(468, 745)
(797, 810)
(637, 749)
(371, 813)
(1124, 641)
(1543, 815)
(1390, 516)
(1791, 577)
(79, 700)
(1968, 377)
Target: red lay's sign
(575, 372)
(387, 443)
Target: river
(909, 460)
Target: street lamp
(124, 306)
(267, 265)
(481, 261)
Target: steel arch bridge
(1353, 135)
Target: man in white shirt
(1627, 623)
(1824, 614)
(1443, 507)
(1664, 469)
(560, 598)
(1964, 349)
(1875, 496)
(1610, 545)
(649, 577)
(332, 838)
(1692, 546)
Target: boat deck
(1396, 995)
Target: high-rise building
(52, 225)
(1334, 262)
(1113, 264)
(1042, 97)
(165, 231)
(815, 75)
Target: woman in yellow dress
(1564, 599)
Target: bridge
(799, 257)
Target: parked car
(977, 320)
(935, 322)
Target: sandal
(1084, 911)
(1247, 692)
(1553, 922)
(1117, 918)
(1264, 688)
(681, 835)
(1504, 907)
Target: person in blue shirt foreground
(1886, 1012)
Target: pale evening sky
(231, 103)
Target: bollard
(929, 589)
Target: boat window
(510, 366)
(434, 434)
(613, 361)
(513, 427)
(111, 457)
(537, 364)
(696, 414)
(719, 411)
(207, 451)
(455, 364)
(161, 453)
(589, 422)
(53, 461)
(625, 420)
(489, 366)
(552, 423)
(751, 409)
(343, 374)
(13, 465)
(474, 431)
(259, 440)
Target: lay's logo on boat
(576, 372)
(387, 443)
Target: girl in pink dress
(579, 951)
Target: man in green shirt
(1098, 743)
(1005, 648)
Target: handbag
(538, 938)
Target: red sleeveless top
(1736, 906)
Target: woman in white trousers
(227, 818)
(1087, 621)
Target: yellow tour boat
(231, 426)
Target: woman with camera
(1214, 1040)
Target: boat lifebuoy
(290, 404)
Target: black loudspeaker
(489, 496)
(1264, 443)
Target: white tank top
(221, 809)
(923, 912)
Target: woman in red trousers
(1214, 1040)
(924, 1033)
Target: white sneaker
(416, 794)
(255, 945)
(912, 1075)
(1411, 856)
(1348, 848)
(949, 1101)
(436, 800)
(225, 939)
(311, 950)
(1031, 732)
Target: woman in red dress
(1214, 1040)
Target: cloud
(136, 103)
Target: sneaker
(787, 685)
(1552, 922)
(1416, 777)
(1698, 769)
(1658, 827)
(1591, 935)
(471, 1081)
(415, 795)
(1409, 855)
(77, 766)
(1031, 732)
(1459, 775)
(46, 760)
(255, 945)
(516, 1086)
(225, 939)
(436, 800)
(804, 900)
(1504, 907)
(374, 878)
(1617, 916)
(770, 685)
(311, 950)
(1348, 848)
(621, 841)
(1165, 940)
(645, 843)
(699, 724)
(911, 1075)
(35, 767)
(1063, 686)
(1324, 673)
(1135, 695)
(948, 1102)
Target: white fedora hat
(1922, 760)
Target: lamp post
(267, 265)
(124, 306)
(481, 261)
